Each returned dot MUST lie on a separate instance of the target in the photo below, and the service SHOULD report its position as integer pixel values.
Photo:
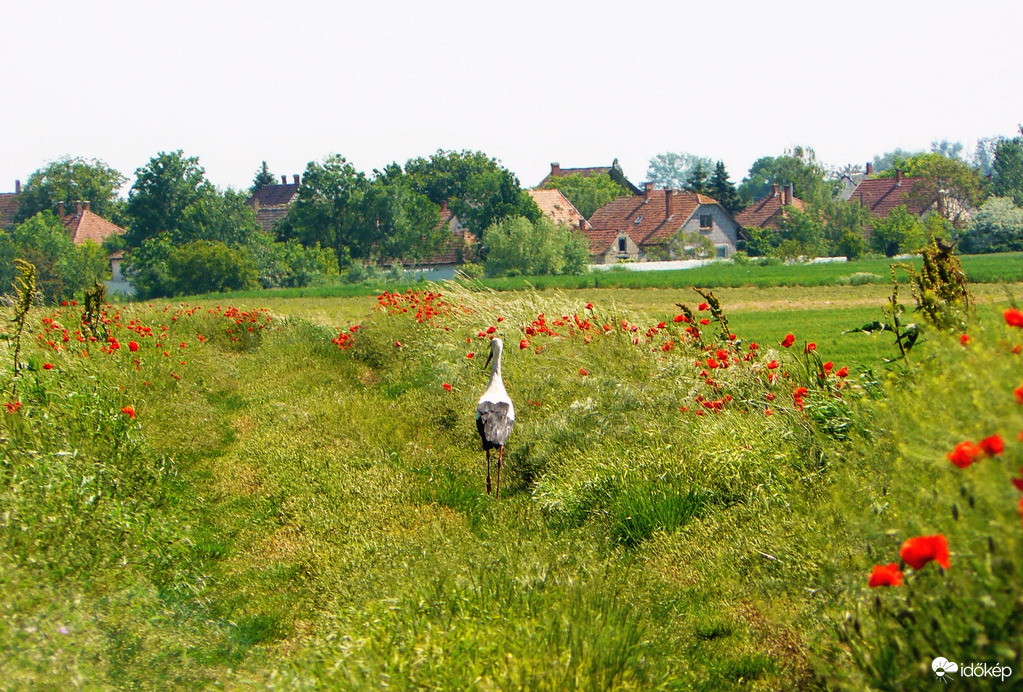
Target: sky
(529, 83)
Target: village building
(558, 208)
(457, 248)
(769, 211)
(660, 224)
(271, 202)
(882, 195)
(614, 171)
(9, 204)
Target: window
(722, 251)
(706, 222)
(622, 247)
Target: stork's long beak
(489, 358)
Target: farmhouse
(9, 203)
(556, 206)
(614, 171)
(881, 195)
(660, 224)
(768, 211)
(271, 202)
(456, 248)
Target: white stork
(495, 413)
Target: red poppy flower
(584, 372)
(917, 552)
(842, 372)
(885, 575)
(993, 446)
(470, 355)
(828, 367)
(447, 387)
(523, 344)
(703, 306)
(397, 344)
(589, 306)
(768, 412)
(491, 330)
(769, 396)
(800, 392)
(788, 340)
(47, 366)
(1018, 482)
(1018, 392)
(705, 321)
(12, 406)
(128, 411)
(773, 365)
(133, 346)
(711, 363)
(964, 454)
(810, 347)
(680, 318)
(964, 339)
(1013, 317)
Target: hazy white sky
(527, 82)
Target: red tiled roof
(89, 226)
(601, 240)
(589, 171)
(644, 220)
(554, 204)
(881, 195)
(766, 212)
(274, 195)
(9, 203)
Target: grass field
(278, 511)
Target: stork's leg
(500, 460)
(488, 471)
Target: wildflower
(397, 344)
(584, 372)
(993, 445)
(63, 303)
(711, 363)
(523, 344)
(128, 411)
(885, 575)
(133, 346)
(589, 306)
(47, 366)
(183, 344)
(705, 321)
(768, 412)
(917, 552)
(1018, 392)
(770, 396)
(470, 355)
(773, 365)
(447, 387)
(680, 318)
(810, 347)
(12, 406)
(964, 454)
(1013, 317)
(788, 340)
(1018, 482)
(828, 367)
(752, 345)
(964, 339)
(800, 392)
(491, 330)
(842, 372)
(703, 306)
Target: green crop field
(227, 492)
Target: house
(9, 203)
(768, 211)
(849, 181)
(457, 248)
(83, 225)
(614, 171)
(271, 202)
(881, 195)
(659, 224)
(555, 205)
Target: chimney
(787, 195)
(898, 176)
(870, 168)
(17, 187)
(669, 197)
(443, 206)
(78, 208)
(297, 179)
(648, 189)
(88, 205)
(60, 209)
(774, 190)
(284, 180)
(555, 169)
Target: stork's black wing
(494, 423)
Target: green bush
(533, 248)
(205, 266)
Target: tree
(406, 223)
(996, 227)
(890, 160)
(587, 193)
(696, 181)
(329, 210)
(163, 190)
(801, 234)
(899, 232)
(520, 246)
(950, 150)
(723, 190)
(1007, 170)
(672, 170)
(478, 189)
(63, 268)
(798, 168)
(205, 266)
(70, 180)
(262, 178)
(219, 217)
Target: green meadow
(245, 499)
